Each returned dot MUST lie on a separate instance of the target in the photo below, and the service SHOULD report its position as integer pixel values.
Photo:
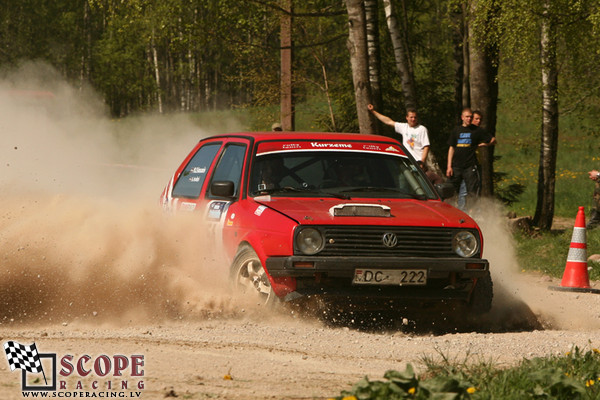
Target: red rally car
(341, 216)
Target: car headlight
(465, 244)
(310, 241)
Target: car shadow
(508, 314)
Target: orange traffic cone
(575, 278)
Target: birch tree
(401, 55)
(544, 210)
(372, 29)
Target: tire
(248, 277)
(481, 297)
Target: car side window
(194, 174)
(230, 165)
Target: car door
(222, 159)
(229, 167)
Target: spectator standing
(462, 156)
(477, 115)
(462, 192)
(414, 135)
(594, 220)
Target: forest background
(530, 65)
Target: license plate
(363, 276)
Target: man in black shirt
(462, 155)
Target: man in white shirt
(414, 136)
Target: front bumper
(345, 266)
(447, 278)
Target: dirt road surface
(228, 349)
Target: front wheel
(249, 277)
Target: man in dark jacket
(462, 155)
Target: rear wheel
(481, 297)
(249, 277)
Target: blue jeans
(462, 196)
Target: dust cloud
(524, 301)
(510, 310)
(82, 236)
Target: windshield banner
(317, 145)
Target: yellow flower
(596, 351)
(589, 383)
(471, 390)
(228, 377)
(349, 398)
(412, 390)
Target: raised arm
(381, 117)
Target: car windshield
(338, 174)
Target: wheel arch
(282, 285)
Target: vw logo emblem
(390, 240)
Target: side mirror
(445, 190)
(222, 189)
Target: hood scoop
(360, 210)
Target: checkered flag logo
(23, 357)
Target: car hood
(386, 212)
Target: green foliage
(575, 375)
(406, 385)
(570, 376)
(122, 73)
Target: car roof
(285, 135)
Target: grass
(575, 375)
(578, 153)
(547, 252)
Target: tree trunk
(466, 92)
(484, 98)
(401, 56)
(327, 93)
(372, 25)
(357, 46)
(86, 54)
(544, 211)
(458, 43)
(287, 101)
(156, 73)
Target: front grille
(369, 241)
